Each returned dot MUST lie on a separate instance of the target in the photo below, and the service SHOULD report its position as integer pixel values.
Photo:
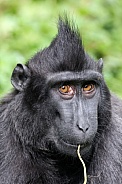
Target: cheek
(93, 127)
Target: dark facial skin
(76, 120)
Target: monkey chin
(71, 149)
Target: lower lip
(67, 144)
(82, 146)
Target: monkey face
(75, 100)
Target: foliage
(28, 26)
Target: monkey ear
(20, 77)
(100, 65)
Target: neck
(59, 168)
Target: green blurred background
(27, 26)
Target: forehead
(73, 76)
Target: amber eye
(64, 89)
(67, 91)
(87, 88)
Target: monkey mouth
(68, 144)
(84, 146)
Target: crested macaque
(60, 100)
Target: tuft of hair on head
(68, 29)
(66, 52)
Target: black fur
(28, 152)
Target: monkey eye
(67, 90)
(88, 88)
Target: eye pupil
(64, 87)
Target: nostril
(87, 129)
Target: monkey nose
(83, 128)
